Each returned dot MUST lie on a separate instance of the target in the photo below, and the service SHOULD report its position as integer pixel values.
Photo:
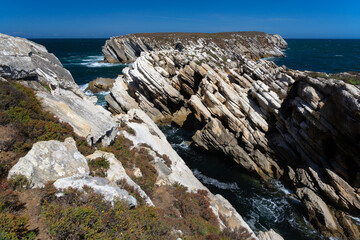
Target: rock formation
(100, 84)
(125, 49)
(31, 64)
(49, 161)
(273, 121)
(63, 163)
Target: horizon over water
(261, 207)
(321, 55)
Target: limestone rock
(98, 185)
(89, 121)
(22, 59)
(319, 213)
(49, 161)
(117, 172)
(101, 84)
(269, 235)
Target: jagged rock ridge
(256, 45)
(275, 122)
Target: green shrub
(98, 167)
(19, 182)
(140, 158)
(12, 226)
(21, 112)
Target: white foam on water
(182, 145)
(214, 182)
(98, 64)
(356, 219)
(281, 187)
(84, 87)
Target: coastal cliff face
(31, 64)
(125, 177)
(255, 45)
(273, 121)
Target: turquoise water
(322, 55)
(262, 207)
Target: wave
(98, 64)
(278, 185)
(182, 145)
(215, 182)
(88, 61)
(356, 219)
(339, 55)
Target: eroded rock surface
(146, 132)
(127, 48)
(49, 161)
(98, 185)
(101, 84)
(22, 59)
(30, 64)
(273, 121)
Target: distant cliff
(255, 45)
(273, 121)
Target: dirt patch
(164, 199)
(32, 200)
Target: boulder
(101, 84)
(49, 161)
(98, 185)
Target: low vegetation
(23, 122)
(98, 167)
(85, 215)
(350, 77)
(131, 157)
(13, 226)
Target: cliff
(70, 169)
(273, 121)
(125, 49)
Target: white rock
(49, 161)
(98, 185)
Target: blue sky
(90, 19)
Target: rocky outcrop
(117, 172)
(31, 65)
(146, 133)
(125, 49)
(88, 120)
(21, 59)
(98, 185)
(273, 121)
(269, 235)
(49, 161)
(101, 84)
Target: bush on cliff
(12, 226)
(23, 122)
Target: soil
(32, 200)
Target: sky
(103, 19)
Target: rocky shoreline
(123, 157)
(273, 121)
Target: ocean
(322, 55)
(262, 207)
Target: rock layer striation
(273, 121)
